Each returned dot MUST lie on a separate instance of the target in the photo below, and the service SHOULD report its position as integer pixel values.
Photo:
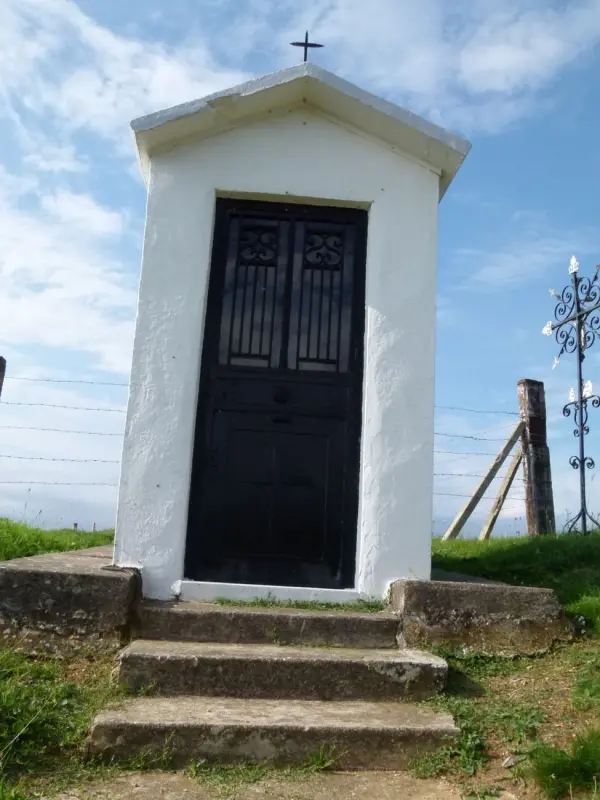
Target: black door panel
(274, 490)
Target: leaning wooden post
(2, 373)
(539, 500)
(487, 529)
(466, 512)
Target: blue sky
(519, 79)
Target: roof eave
(404, 131)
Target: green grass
(586, 694)
(44, 715)
(479, 713)
(498, 720)
(568, 564)
(229, 778)
(560, 773)
(370, 606)
(514, 724)
(14, 793)
(18, 540)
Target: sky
(519, 78)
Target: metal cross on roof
(306, 44)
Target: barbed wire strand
(478, 410)
(70, 408)
(483, 497)
(100, 433)
(458, 453)
(87, 382)
(74, 460)
(57, 430)
(469, 436)
(55, 483)
(469, 475)
(63, 380)
(512, 500)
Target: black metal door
(274, 489)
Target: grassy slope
(560, 697)
(568, 564)
(46, 704)
(18, 540)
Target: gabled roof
(325, 91)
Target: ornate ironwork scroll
(576, 326)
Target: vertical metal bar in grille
(258, 335)
(238, 307)
(267, 330)
(252, 309)
(311, 275)
(245, 325)
(326, 315)
(293, 352)
(346, 301)
(229, 291)
(304, 314)
(334, 323)
(279, 295)
(315, 318)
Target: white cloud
(60, 287)
(476, 64)
(520, 48)
(47, 156)
(57, 60)
(447, 314)
(83, 212)
(523, 259)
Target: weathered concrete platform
(67, 594)
(270, 671)
(486, 617)
(59, 595)
(364, 735)
(209, 622)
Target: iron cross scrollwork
(577, 325)
(306, 45)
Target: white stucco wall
(298, 153)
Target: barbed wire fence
(449, 450)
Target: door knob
(281, 395)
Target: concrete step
(206, 622)
(187, 729)
(270, 671)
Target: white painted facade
(293, 153)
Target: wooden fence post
(539, 500)
(2, 373)
(495, 510)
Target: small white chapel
(279, 434)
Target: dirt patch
(328, 786)
(546, 683)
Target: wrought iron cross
(577, 325)
(306, 44)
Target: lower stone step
(360, 735)
(269, 671)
